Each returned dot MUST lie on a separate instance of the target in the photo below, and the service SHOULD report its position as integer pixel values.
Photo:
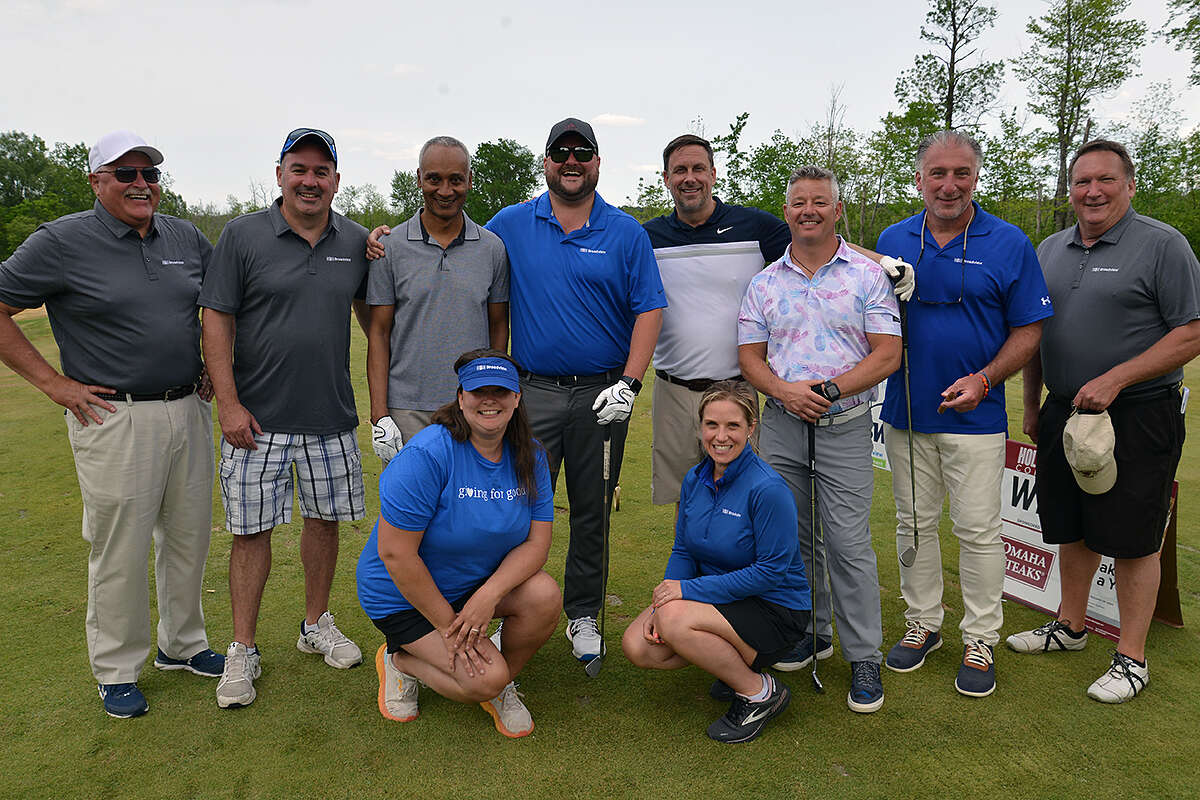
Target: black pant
(563, 420)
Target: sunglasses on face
(300, 133)
(129, 174)
(583, 154)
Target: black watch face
(832, 392)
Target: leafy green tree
(652, 200)
(38, 185)
(728, 145)
(946, 77)
(364, 204)
(1080, 49)
(503, 172)
(1015, 173)
(1186, 33)
(406, 194)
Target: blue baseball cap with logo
(489, 371)
(300, 134)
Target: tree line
(1079, 52)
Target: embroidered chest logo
(338, 258)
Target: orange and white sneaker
(511, 716)
(397, 690)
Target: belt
(166, 395)
(697, 385)
(833, 419)
(1141, 396)
(612, 376)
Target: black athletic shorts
(1128, 520)
(771, 629)
(405, 627)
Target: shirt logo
(723, 230)
(961, 260)
(590, 250)
(1045, 300)
(730, 513)
(337, 258)
(1106, 269)
(169, 262)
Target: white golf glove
(614, 404)
(386, 439)
(904, 277)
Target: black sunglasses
(583, 154)
(129, 174)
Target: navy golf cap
(300, 134)
(572, 125)
(489, 371)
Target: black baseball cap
(300, 134)
(572, 125)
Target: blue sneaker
(801, 655)
(909, 653)
(866, 687)
(206, 663)
(977, 675)
(123, 700)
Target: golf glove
(904, 277)
(386, 439)
(614, 404)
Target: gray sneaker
(397, 690)
(511, 716)
(1054, 635)
(330, 642)
(236, 688)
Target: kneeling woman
(734, 597)
(464, 530)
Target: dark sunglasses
(583, 154)
(300, 133)
(129, 174)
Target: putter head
(908, 557)
(592, 667)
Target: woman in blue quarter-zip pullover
(734, 596)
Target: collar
(842, 253)
(735, 468)
(416, 231)
(982, 224)
(543, 210)
(1110, 236)
(719, 212)
(280, 225)
(116, 227)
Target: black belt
(166, 395)
(1140, 396)
(610, 377)
(697, 385)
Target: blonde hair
(737, 392)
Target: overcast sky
(216, 85)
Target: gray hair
(444, 141)
(948, 138)
(811, 172)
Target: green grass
(315, 731)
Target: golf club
(909, 556)
(812, 532)
(592, 667)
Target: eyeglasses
(129, 174)
(925, 282)
(583, 154)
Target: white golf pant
(968, 467)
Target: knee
(484, 687)
(635, 647)
(671, 620)
(545, 598)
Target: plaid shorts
(256, 485)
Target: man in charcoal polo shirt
(120, 283)
(707, 252)
(277, 303)
(586, 304)
(439, 290)
(1126, 292)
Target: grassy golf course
(315, 731)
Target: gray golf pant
(563, 421)
(845, 561)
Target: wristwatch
(632, 383)
(830, 391)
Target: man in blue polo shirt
(975, 319)
(585, 299)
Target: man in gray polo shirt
(119, 283)
(277, 303)
(1126, 294)
(440, 289)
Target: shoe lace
(864, 672)
(236, 662)
(1122, 668)
(331, 635)
(916, 635)
(586, 626)
(978, 655)
(510, 695)
(1051, 627)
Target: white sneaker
(495, 637)
(327, 640)
(1054, 635)
(1122, 682)
(584, 637)
(236, 688)
(511, 716)
(397, 690)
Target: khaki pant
(410, 422)
(145, 474)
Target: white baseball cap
(111, 146)
(1088, 443)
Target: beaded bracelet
(987, 385)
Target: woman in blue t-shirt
(734, 597)
(466, 509)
